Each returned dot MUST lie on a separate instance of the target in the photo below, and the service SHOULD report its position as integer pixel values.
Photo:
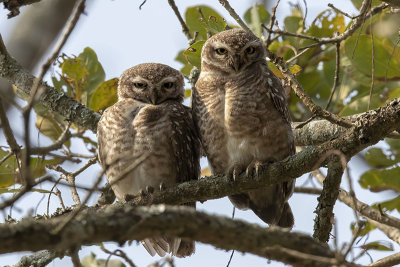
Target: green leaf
(394, 146)
(74, 69)
(360, 105)
(192, 54)
(366, 227)
(326, 24)
(9, 172)
(394, 94)
(104, 95)
(378, 245)
(91, 261)
(95, 70)
(50, 128)
(389, 205)
(255, 16)
(202, 19)
(377, 159)
(379, 180)
(188, 93)
(186, 66)
(361, 60)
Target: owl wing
(185, 142)
(115, 135)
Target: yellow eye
(140, 85)
(250, 50)
(221, 51)
(168, 85)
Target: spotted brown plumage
(150, 123)
(241, 112)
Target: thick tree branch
(369, 129)
(122, 222)
(14, 5)
(72, 110)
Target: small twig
(373, 64)
(356, 234)
(342, 12)
(6, 157)
(298, 89)
(280, 32)
(290, 60)
(75, 257)
(56, 145)
(308, 190)
(271, 24)
(233, 14)
(185, 29)
(24, 189)
(8, 133)
(118, 253)
(302, 124)
(336, 78)
(73, 19)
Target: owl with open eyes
(150, 124)
(241, 112)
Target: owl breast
(255, 130)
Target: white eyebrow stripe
(139, 79)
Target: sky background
(124, 36)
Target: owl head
(232, 51)
(151, 83)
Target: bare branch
(123, 222)
(72, 110)
(271, 24)
(233, 14)
(14, 5)
(326, 201)
(185, 29)
(38, 259)
(388, 261)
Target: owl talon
(234, 172)
(149, 189)
(254, 169)
(162, 186)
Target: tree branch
(14, 5)
(72, 110)
(122, 222)
(326, 201)
(369, 129)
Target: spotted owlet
(150, 123)
(241, 112)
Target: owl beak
(236, 63)
(153, 99)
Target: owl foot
(162, 186)
(234, 172)
(148, 191)
(254, 169)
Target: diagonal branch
(369, 129)
(56, 101)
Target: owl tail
(186, 248)
(156, 245)
(270, 215)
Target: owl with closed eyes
(240, 109)
(148, 140)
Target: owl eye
(140, 85)
(250, 50)
(168, 85)
(221, 51)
